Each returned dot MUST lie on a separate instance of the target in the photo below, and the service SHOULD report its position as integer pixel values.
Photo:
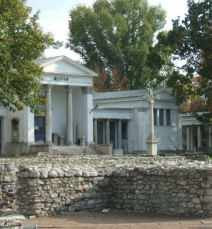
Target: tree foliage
(119, 34)
(104, 83)
(21, 41)
(190, 41)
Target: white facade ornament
(151, 140)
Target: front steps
(73, 150)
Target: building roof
(44, 61)
(122, 94)
(47, 61)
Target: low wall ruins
(7, 181)
(170, 185)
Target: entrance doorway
(39, 128)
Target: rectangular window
(155, 116)
(168, 117)
(161, 117)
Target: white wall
(169, 137)
(59, 110)
(26, 125)
(29, 133)
(3, 117)
(88, 118)
(22, 127)
(144, 129)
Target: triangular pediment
(64, 65)
(161, 94)
(164, 94)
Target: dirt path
(118, 220)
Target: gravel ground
(118, 220)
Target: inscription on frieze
(61, 78)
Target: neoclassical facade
(72, 113)
(122, 119)
(66, 116)
(195, 136)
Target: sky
(54, 17)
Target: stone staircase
(73, 150)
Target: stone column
(48, 126)
(95, 131)
(188, 138)
(151, 140)
(210, 137)
(69, 117)
(119, 135)
(199, 138)
(108, 131)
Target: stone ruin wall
(172, 185)
(7, 181)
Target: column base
(151, 145)
(70, 144)
(48, 143)
(90, 143)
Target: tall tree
(21, 41)
(119, 34)
(190, 41)
(104, 83)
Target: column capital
(48, 87)
(87, 90)
(69, 89)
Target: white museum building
(122, 118)
(73, 112)
(67, 86)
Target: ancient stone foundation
(173, 185)
(8, 181)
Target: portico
(195, 135)
(65, 117)
(122, 119)
(67, 87)
(112, 131)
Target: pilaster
(87, 114)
